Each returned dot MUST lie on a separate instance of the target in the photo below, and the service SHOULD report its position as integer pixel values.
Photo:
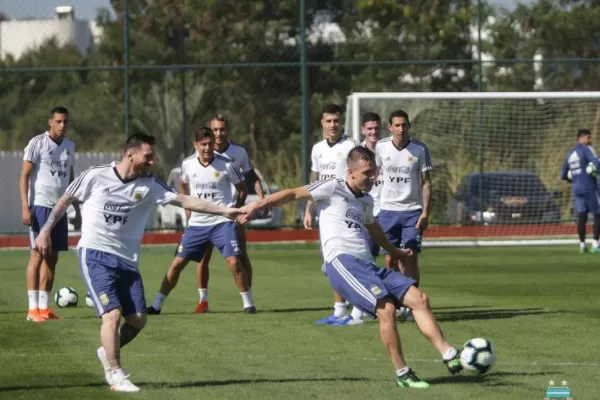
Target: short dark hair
(331, 109)
(371, 117)
(360, 153)
(59, 110)
(583, 132)
(202, 133)
(136, 140)
(221, 118)
(399, 114)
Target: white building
(19, 36)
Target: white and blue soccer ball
(478, 355)
(66, 297)
(88, 300)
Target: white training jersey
(342, 218)
(402, 168)
(115, 212)
(376, 190)
(330, 160)
(213, 183)
(51, 174)
(239, 157)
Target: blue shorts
(362, 284)
(111, 282)
(59, 234)
(196, 239)
(587, 203)
(400, 228)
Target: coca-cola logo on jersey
(210, 185)
(398, 170)
(116, 207)
(330, 166)
(355, 215)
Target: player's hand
(26, 216)
(401, 253)
(43, 243)
(308, 221)
(233, 213)
(423, 222)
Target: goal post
(497, 158)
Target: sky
(86, 9)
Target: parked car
(508, 197)
(173, 217)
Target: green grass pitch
(538, 305)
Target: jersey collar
(403, 147)
(209, 163)
(333, 144)
(225, 149)
(357, 195)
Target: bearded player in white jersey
(406, 193)
(47, 171)
(117, 202)
(238, 155)
(329, 160)
(345, 210)
(210, 177)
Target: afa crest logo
(104, 300)
(375, 290)
(139, 193)
(217, 174)
(411, 159)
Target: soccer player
(346, 209)
(47, 171)
(584, 186)
(238, 155)
(209, 177)
(406, 193)
(117, 202)
(328, 160)
(371, 128)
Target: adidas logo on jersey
(106, 190)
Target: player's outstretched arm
(43, 242)
(201, 206)
(379, 237)
(423, 221)
(278, 199)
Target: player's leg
(410, 239)
(202, 275)
(357, 314)
(389, 222)
(594, 208)
(60, 242)
(225, 238)
(245, 259)
(405, 291)
(101, 275)
(191, 247)
(582, 212)
(38, 219)
(357, 281)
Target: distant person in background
(47, 170)
(580, 168)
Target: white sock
(582, 245)
(33, 299)
(43, 300)
(203, 294)
(339, 309)
(450, 354)
(357, 314)
(402, 371)
(595, 244)
(158, 301)
(247, 299)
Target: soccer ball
(88, 301)
(66, 297)
(478, 355)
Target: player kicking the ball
(345, 209)
(210, 177)
(117, 202)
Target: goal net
(497, 159)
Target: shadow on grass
(490, 379)
(492, 313)
(179, 385)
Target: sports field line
(339, 358)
